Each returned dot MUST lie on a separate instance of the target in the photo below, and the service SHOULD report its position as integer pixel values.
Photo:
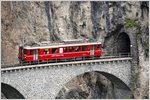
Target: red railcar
(59, 51)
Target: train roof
(45, 45)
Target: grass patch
(131, 22)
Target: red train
(49, 51)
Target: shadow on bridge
(119, 83)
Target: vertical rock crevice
(50, 14)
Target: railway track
(72, 60)
(64, 63)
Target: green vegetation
(135, 76)
(131, 22)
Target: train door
(92, 50)
(60, 50)
(35, 54)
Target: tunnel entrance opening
(123, 44)
(9, 92)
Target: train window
(95, 47)
(65, 49)
(84, 48)
(31, 52)
(77, 48)
(24, 51)
(46, 51)
(71, 49)
(98, 47)
(54, 50)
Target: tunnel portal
(123, 43)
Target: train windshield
(24, 51)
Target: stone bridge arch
(10, 92)
(117, 82)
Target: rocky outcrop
(103, 21)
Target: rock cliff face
(23, 22)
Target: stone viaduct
(46, 80)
